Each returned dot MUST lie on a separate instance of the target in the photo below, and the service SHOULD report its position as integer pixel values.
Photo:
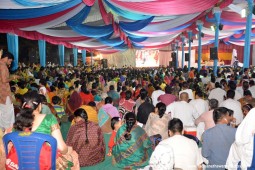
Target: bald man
(183, 110)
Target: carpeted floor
(106, 165)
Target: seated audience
(87, 139)
(216, 151)
(133, 146)
(105, 114)
(115, 125)
(157, 121)
(176, 152)
(246, 108)
(242, 150)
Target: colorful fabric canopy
(110, 26)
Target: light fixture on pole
(243, 13)
(213, 28)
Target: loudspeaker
(71, 58)
(173, 55)
(104, 63)
(213, 53)
(186, 56)
(221, 27)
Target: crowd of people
(147, 112)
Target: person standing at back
(6, 107)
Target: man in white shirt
(199, 103)
(185, 88)
(183, 110)
(232, 86)
(234, 105)
(155, 94)
(205, 79)
(217, 93)
(177, 151)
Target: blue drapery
(93, 31)
(137, 39)
(83, 54)
(121, 47)
(61, 53)
(32, 3)
(135, 26)
(13, 14)
(42, 52)
(80, 17)
(111, 42)
(75, 56)
(126, 14)
(13, 47)
(231, 23)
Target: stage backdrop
(145, 58)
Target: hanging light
(243, 13)
(213, 28)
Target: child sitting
(115, 125)
(56, 104)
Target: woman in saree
(87, 139)
(74, 102)
(133, 146)
(48, 124)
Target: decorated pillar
(61, 53)
(13, 47)
(190, 37)
(42, 52)
(247, 46)
(199, 26)
(217, 14)
(75, 56)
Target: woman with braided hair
(87, 139)
(133, 146)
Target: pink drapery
(33, 35)
(103, 12)
(166, 7)
(89, 2)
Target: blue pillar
(176, 59)
(42, 52)
(217, 13)
(83, 56)
(13, 47)
(199, 26)
(61, 53)
(75, 56)
(190, 37)
(183, 39)
(246, 61)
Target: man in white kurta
(155, 95)
(217, 93)
(242, 149)
(177, 151)
(183, 110)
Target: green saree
(134, 153)
(48, 124)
